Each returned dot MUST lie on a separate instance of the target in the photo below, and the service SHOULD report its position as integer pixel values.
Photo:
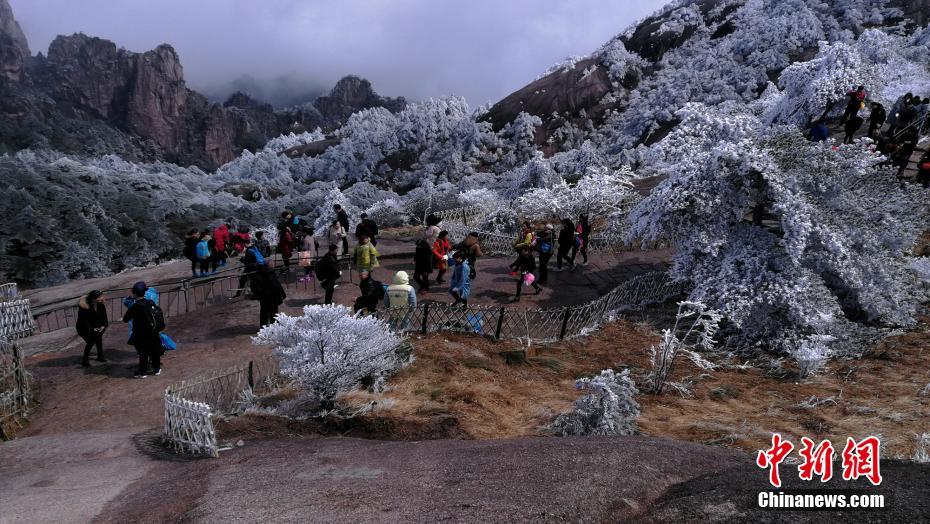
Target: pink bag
(528, 279)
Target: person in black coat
(327, 272)
(877, 118)
(190, 249)
(91, 323)
(269, 292)
(851, 128)
(372, 292)
(343, 218)
(566, 244)
(423, 264)
(525, 264)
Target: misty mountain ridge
(89, 97)
(281, 92)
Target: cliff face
(14, 48)
(90, 97)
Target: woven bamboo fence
(16, 319)
(15, 389)
(8, 292)
(191, 404)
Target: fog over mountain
(482, 50)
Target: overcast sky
(479, 49)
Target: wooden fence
(191, 404)
(15, 389)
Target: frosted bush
(608, 408)
(328, 350)
(694, 329)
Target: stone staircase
(912, 168)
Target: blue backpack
(203, 250)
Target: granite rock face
(90, 97)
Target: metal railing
(185, 296)
(533, 325)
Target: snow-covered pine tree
(800, 246)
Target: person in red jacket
(442, 250)
(856, 102)
(286, 246)
(221, 238)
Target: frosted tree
(327, 214)
(328, 350)
(814, 87)
(534, 174)
(608, 408)
(599, 193)
(484, 199)
(694, 330)
(388, 213)
(518, 139)
(799, 246)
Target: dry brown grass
(464, 377)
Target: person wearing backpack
(252, 259)
(372, 292)
(582, 235)
(327, 272)
(203, 254)
(545, 244)
(525, 265)
(365, 255)
(91, 323)
(148, 322)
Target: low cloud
(481, 49)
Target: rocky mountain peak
(14, 48)
(9, 26)
(350, 94)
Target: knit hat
(401, 278)
(139, 288)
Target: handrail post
(423, 328)
(500, 323)
(565, 316)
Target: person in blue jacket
(460, 283)
(203, 254)
(819, 131)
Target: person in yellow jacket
(366, 256)
(526, 238)
(401, 298)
